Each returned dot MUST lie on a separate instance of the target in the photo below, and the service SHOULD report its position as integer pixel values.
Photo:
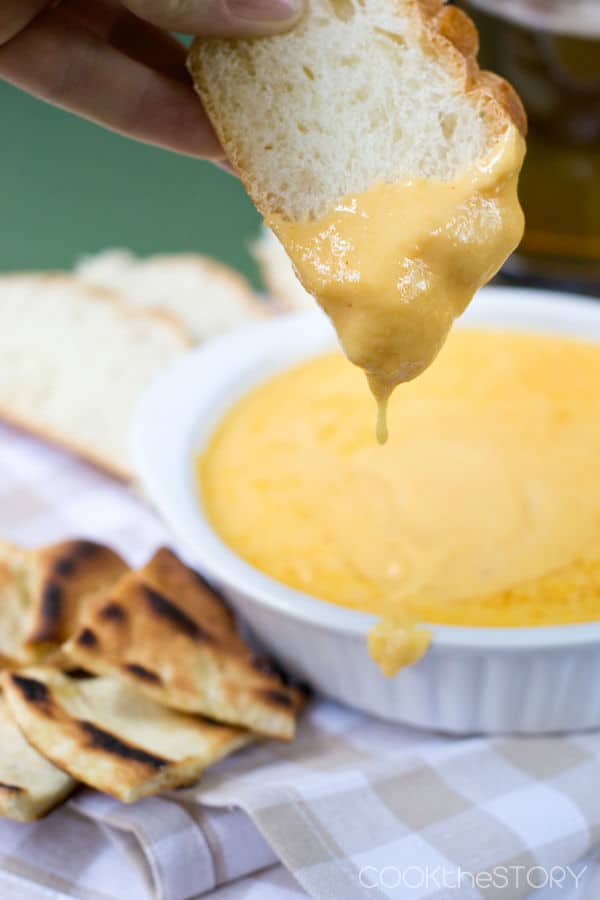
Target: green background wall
(68, 187)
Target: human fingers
(111, 21)
(64, 63)
(15, 15)
(223, 18)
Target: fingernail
(265, 10)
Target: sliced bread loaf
(207, 297)
(74, 361)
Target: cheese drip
(395, 265)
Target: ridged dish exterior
(451, 689)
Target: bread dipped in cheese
(385, 161)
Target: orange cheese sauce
(483, 509)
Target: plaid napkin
(353, 808)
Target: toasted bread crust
(449, 32)
(445, 32)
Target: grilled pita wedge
(65, 580)
(166, 631)
(30, 786)
(108, 736)
(44, 592)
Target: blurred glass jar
(550, 51)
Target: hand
(115, 62)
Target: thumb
(220, 18)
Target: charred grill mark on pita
(51, 609)
(32, 691)
(142, 673)
(87, 548)
(163, 608)
(87, 638)
(278, 698)
(98, 739)
(112, 612)
(268, 667)
(207, 586)
(79, 674)
(64, 566)
(11, 788)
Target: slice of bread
(207, 297)
(74, 360)
(361, 91)
(277, 272)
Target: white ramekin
(490, 680)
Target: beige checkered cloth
(353, 808)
